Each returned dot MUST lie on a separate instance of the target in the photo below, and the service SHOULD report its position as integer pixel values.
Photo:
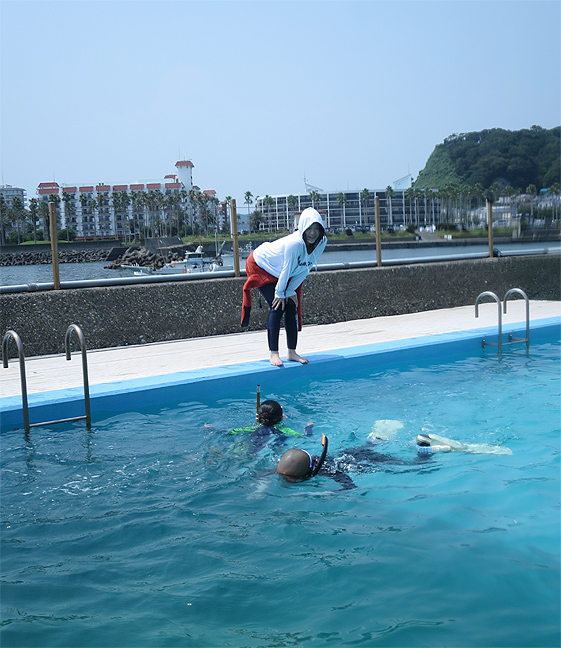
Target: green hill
(515, 158)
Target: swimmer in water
(297, 465)
(269, 418)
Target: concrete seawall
(137, 314)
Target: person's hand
(279, 302)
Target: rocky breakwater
(142, 257)
(41, 258)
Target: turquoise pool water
(159, 529)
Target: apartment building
(9, 193)
(106, 209)
(350, 209)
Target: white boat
(192, 262)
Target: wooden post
(490, 225)
(54, 244)
(234, 228)
(378, 233)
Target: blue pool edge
(116, 397)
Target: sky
(260, 95)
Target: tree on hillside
(517, 158)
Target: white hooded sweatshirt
(288, 258)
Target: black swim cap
(270, 413)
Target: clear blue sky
(259, 94)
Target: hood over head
(307, 218)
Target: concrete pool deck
(49, 373)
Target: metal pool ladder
(73, 327)
(511, 338)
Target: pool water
(159, 528)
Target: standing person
(278, 269)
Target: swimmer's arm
(346, 482)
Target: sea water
(26, 274)
(159, 528)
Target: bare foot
(275, 359)
(294, 357)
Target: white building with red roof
(106, 209)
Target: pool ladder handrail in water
(511, 338)
(73, 327)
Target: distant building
(350, 209)
(9, 193)
(100, 209)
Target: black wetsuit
(360, 460)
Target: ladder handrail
(488, 293)
(73, 327)
(512, 340)
(5, 340)
(78, 330)
(519, 291)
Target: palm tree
(531, 189)
(68, 212)
(125, 202)
(18, 215)
(554, 190)
(495, 189)
(116, 201)
(54, 198)
(314, 197)
(292, 201)
(193, 203)
(409, 193)
(364, 197)
(33, 207)
(268, 202)
(248, 201)
(151, 204)
(430, 195)
(101, 201)
(255, 220)
(44, 218)
(342, 199)
(94, 206)
(227, 200)
(3, 219)
(508, 192)
(84, 203)
(389, 195)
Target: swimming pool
(159, 529)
